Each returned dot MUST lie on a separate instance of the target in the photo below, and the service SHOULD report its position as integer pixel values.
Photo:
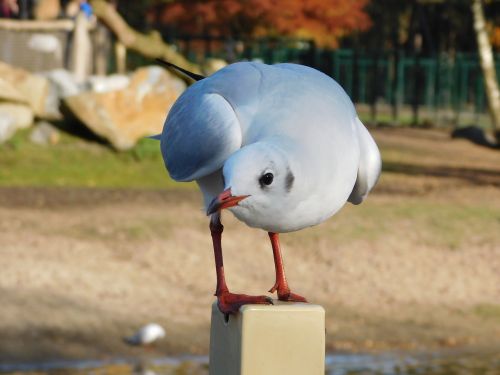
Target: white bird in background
(281, 146)
(147, 335)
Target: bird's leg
(229, 303)
(281, 285)
(216, 229)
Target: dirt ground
(417, 266)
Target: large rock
(44, 133)
(33, 89)
(13, 116)
(62, 83)
(9, 93)
(109, 83)
(124, 116)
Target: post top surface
(280, 306)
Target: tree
(324, 21)
(487, 64)
(150, 45)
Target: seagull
(280, 146)
(147, 335)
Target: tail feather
(370, 165)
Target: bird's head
(259, 182)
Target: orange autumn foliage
(495, 37)
(325, 21)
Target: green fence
(397, 79)
(401, 85)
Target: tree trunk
(487, 64)
(121, 57)
(148, 45)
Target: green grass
(75, 162)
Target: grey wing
(199, 134)
(370, 164)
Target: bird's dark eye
(266, 179)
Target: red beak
(224, 200)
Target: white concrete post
(81, 53)
(282, 339)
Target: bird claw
(274, 288)
(291, 297)
(230, 303)
(284, 294)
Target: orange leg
(229, 303)
(281, 285)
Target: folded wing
(199, 134)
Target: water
(336, 364)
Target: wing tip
(168, 64)
(156, 137)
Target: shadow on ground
(475, 176)
(476, 135)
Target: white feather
(228, 129)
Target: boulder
(138, 110)
(13, 116)
(109, 83)
(44, 133)
(9, 93)
(34, 89)
(62, 83)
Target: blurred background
(96, 240)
